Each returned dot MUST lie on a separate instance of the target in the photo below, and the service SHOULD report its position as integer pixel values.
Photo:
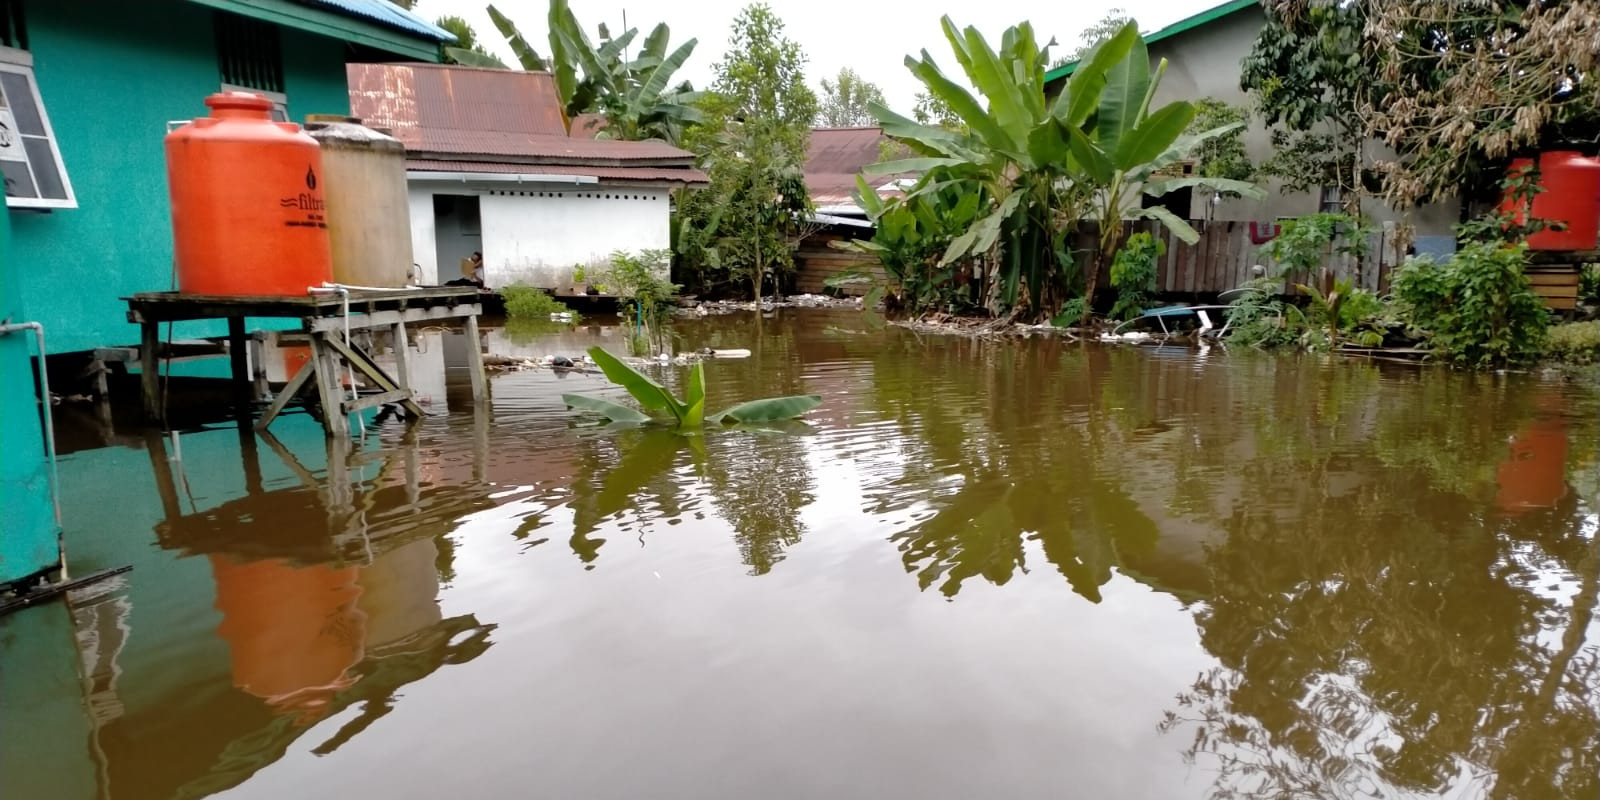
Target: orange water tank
(1571, 183)
(247, 207)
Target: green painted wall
(112, 74)
(28, 542)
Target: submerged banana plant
(687, 413)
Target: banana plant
(1121, 151)
(636, 95)
(1045, 164)
(686, 413)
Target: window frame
(20, 62)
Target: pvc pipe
(49, 430)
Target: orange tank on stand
(1571, 184)
(247, 205)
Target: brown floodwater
(980, 569)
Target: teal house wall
(28, 533)
(112, 74)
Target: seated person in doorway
(471, 272)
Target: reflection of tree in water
(1003, 448)
(1401, 633)
(759, 484)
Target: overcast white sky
(872, 37)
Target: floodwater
(980, 569)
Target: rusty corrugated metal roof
(490, 114)
(834, 159)
(676, 175)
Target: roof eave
(1187, 23)
(685, 162)
(330, 24)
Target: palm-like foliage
(1045, 164)
(635, 95)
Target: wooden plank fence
(1223, 259)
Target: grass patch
(1574, 343)
(527, 302)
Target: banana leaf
(770, 409)
(1123, 98)
(1153, 135)
(616, 412)
(1171, 221)
(695, 394)
(524, 52)
(650, 394)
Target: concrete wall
(539, 237)
(1206, 62)
(112, 74)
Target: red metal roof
(836, 156)
(490, 114)
(675, 175)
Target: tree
(1473, 84)
(930, 110)
(467, 51)
(1306, 74)
(635, 96)
(753, 145)
(1221, 156)
(1088, 38)
(845, 100)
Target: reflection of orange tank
(247, 207)
(290, 629)
(1534, 475)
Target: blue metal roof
(387, 14)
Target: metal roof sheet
(834, 159)
(499, 114)
(388, 15)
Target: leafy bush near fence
(1477, 309)
(1575, 342)
(1133, 274)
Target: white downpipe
(49, 430)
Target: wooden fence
(1223, 259)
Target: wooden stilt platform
(328, 321)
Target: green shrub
(1304, 242)
(1133, 273)
(1589, 283)
(1477, 309)
(526, 302)
(1575, 342)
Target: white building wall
(539, 237)
(423, 248)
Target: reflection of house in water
(322, 597)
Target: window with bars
(13, 31)
(30, 160)
(249, 54)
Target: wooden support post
(402, 360)
(287, 395)
(480, 383)
(149, 370)
(239, 360)
(329, 390)
(366, 366)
